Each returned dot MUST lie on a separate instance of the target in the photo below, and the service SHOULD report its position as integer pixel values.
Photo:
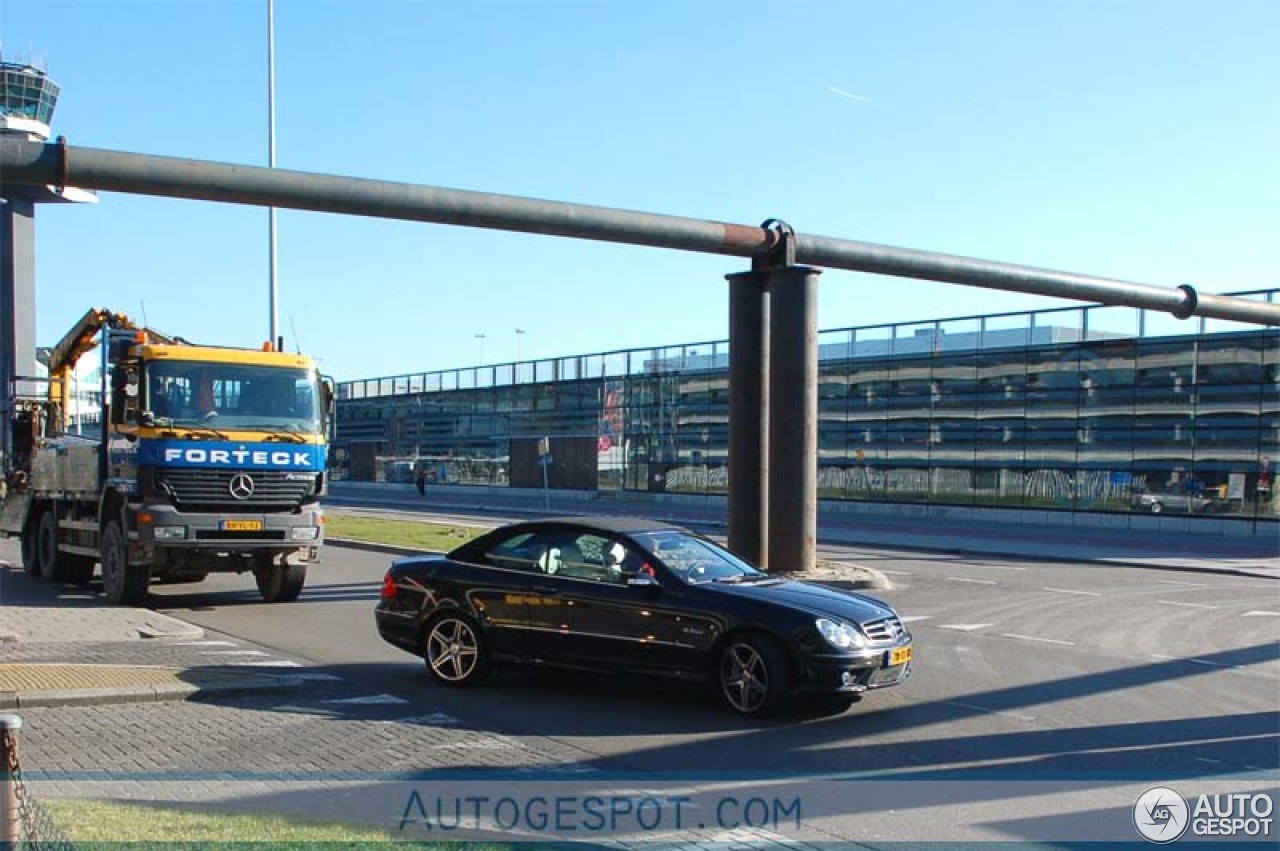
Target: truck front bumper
(163, 527)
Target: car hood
(814, 599)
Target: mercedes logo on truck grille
(241, 486)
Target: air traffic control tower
(27, 101)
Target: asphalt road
(1047, 697)
(1021, 668)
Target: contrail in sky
(859, 98)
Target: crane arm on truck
(81, 339)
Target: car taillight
(389, 587)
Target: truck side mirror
(330, 394)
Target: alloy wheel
(453, 650)
(744, 678)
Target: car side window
(583, 557)
(526, 551)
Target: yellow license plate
(242, 525)
(899, 656)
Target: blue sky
(1134, 140)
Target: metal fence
(24, 823)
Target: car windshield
(695, 559)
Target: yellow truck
(205, 459)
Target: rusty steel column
(793, 418)
(749, 416)
(10, 811)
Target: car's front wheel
(454, 650)
(754, 676)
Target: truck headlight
(304, 533)
(169, 533)
(840, 635)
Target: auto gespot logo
(1162, 815)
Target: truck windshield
(233, 396)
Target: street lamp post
(271, 160)
(480, 337)
(519, 334)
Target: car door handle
(546, 589)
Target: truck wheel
(280, 583)
(47, 548)
(122, 582)
(30, 552)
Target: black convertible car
(640, 596)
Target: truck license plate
(242, 525)
(899, 655)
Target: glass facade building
(1104, 409)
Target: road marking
(894, 572)
(1038, 638)
(318, 677)
(370, 700)
(435, 719)
(1193, 661)
(971, 581)
(200, 644)
(1210, 761)
(1180, 582)
(914, 618)
(562, 768)
(1072, 591)
(269, 663)
(490, 742)
(1020, 716)
(964, 627)
(235, 653)
(1260, 614)
(992, 566)
(1187, 605)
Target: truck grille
(883, 630)
(210, 490)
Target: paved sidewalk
(60, 647)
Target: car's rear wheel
(754, 676)
(455, 651)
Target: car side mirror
(642, 580)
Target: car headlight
(304, 533)
(169, 533)
(840, 635)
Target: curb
(851, 537)
(146, 694)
